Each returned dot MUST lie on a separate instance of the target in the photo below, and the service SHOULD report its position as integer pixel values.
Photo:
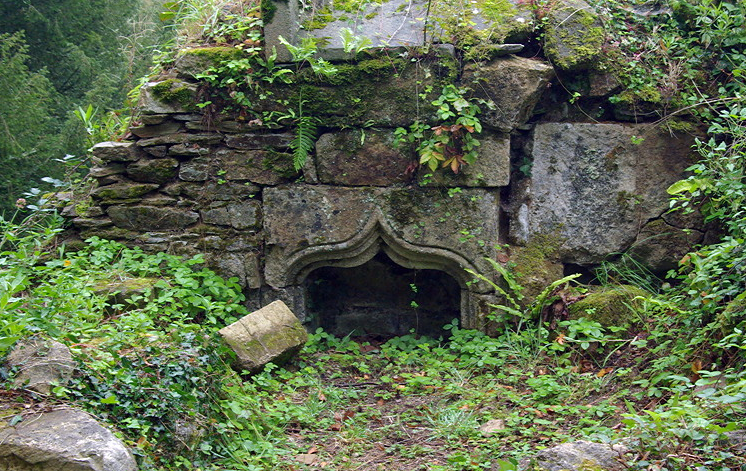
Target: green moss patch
(615, 306)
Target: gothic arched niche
(381, 298)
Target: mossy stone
(610, 306)
(536, 266)
(733, 315)
(574, 35)
(121, 293)
(123, 191)
(176, 92)
(195, 61)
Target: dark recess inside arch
(381, 298)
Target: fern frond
(304, 140)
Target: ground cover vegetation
(669, 383)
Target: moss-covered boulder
(610, 306)
(40, 363)
(127, 294)
(573, 35)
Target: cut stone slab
(360, 158)
(594, 188)
(271, 334)
(150, 218)
(63, 440)
(389, 24)
(578, 456)
(40, 363)
(152, 130)
(513, 84)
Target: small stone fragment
(40, 363)
(491, 426)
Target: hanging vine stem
(427, 18)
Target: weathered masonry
(359, 225)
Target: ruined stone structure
(564, 189)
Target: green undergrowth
(153, 368)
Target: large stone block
(271, 334)
(513, 84)
(593, 188)
(361, 157)
(297, 216)
(63, 440)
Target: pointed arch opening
(381, 298)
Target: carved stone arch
(376, 236)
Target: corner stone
(271, 334)
(514, 84)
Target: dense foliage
(58, 57)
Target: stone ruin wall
(188, 182)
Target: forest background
(67, 67)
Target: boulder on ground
(613, 306)
(578, 456)
(63, 440)
(271, 334)
(40, 363)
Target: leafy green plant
(450, 144)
